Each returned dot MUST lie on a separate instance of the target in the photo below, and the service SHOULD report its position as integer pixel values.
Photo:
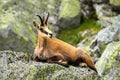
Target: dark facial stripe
(43, 31)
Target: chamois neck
(40, 39)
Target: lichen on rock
(108, 60)
(69, 14)
(115, 2)
(16, 66)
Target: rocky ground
(19, 66)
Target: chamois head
(43, 28)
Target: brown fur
(53, 50)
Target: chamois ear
(40, 20)
(34, 23)
(47, 19)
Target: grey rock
(105, 36)
(100, 1)
(109, 34)
(115, 2)
(109, 63)
(87, 8)
(69, 15)
(19, 65)
(103, 10)
(100, 7)
(108, 21)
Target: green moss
(112, 60)
(67, 77)
(71, 8)
(115, 2)
(73, 35)
(105, 78)
(110, 63)
(27, 56)
(47, 70)
(8, 79)
(32, 69)
(5, 19)
(118, 49)
(31, 73)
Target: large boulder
(103, 10)
(19, 65)
(115, 2)
(109, 63)
(106, 35)
(109, 34)
(69, 14)
(100, 8)
(87, 8)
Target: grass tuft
(73, 35)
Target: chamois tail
(84, 57)
(90, 64)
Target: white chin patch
(49, 36)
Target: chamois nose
(50, 35)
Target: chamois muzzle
(45, 32)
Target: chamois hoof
(63, 63)
(83, 65)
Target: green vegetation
(73, 36)
(115, 2)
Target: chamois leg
(58, 60)
(82, 64)
(36, 59)
(40, 59)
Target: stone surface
(109, 63)
(87, 8)
(115, 2)
(109, 34)
(103, 10)
(69, 14)
(106, 35)
(108, 21)
(18, 65)
(100, 1)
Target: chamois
(53, 50)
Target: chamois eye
(41, 29)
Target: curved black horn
(47, 19)
(43, 19)
(40, 19)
